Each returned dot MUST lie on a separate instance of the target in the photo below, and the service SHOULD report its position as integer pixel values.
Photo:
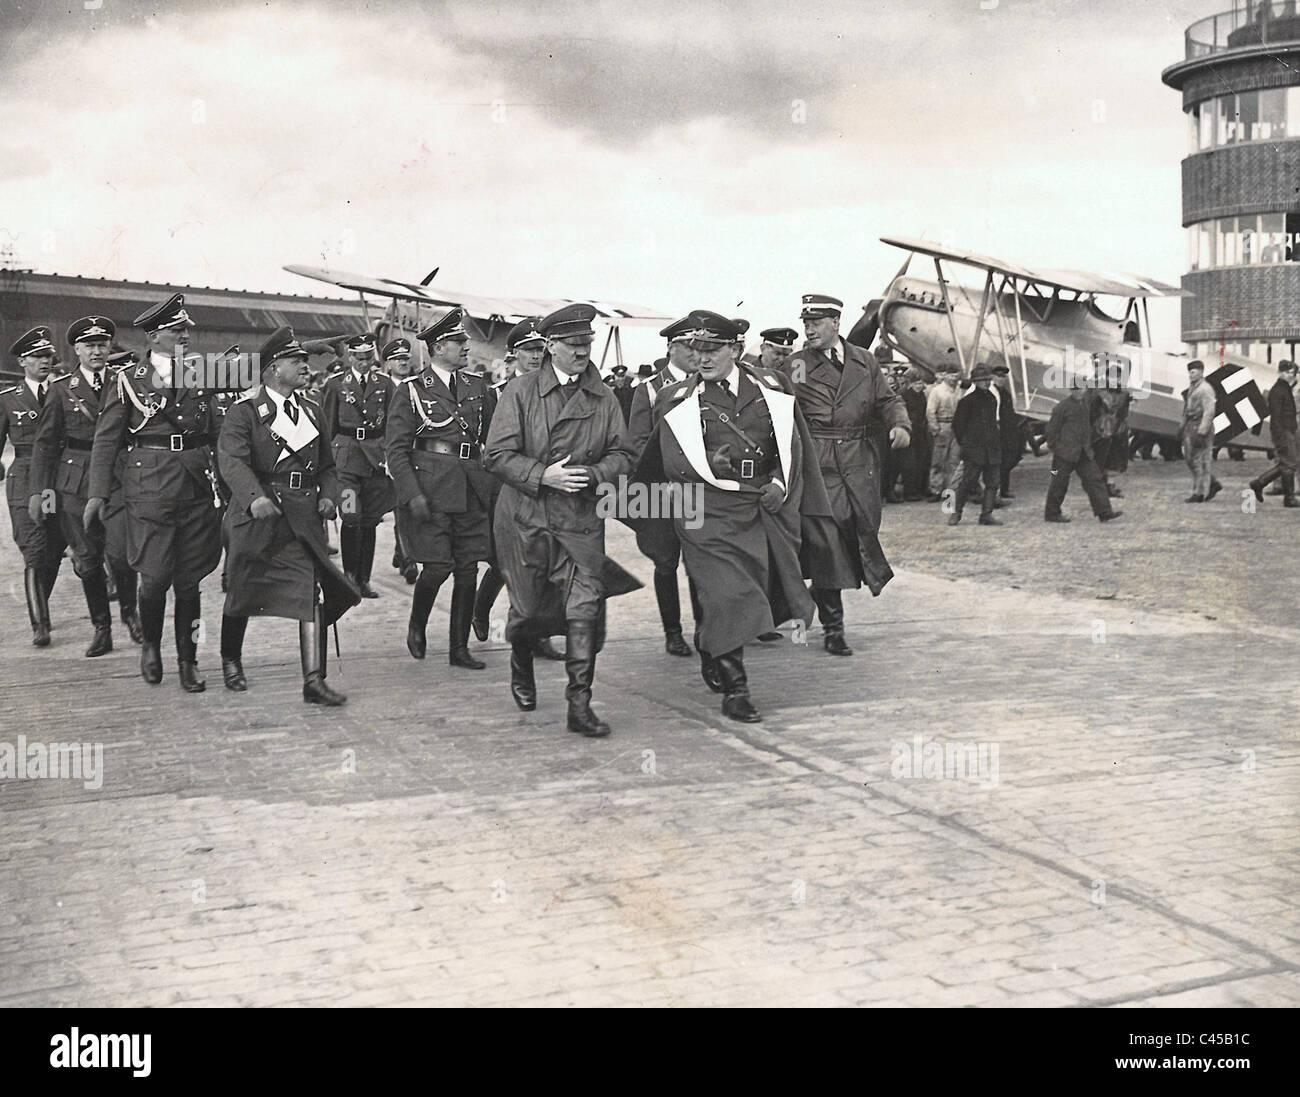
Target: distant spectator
(1070, 434)
(1282, 426)
(975, 426)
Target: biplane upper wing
(613, 313)
(1080, 281)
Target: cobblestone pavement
(1128, 835)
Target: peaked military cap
(780, 337)
(281, 344)
(363, 340)
(167, 314)
(567, 321)
(91, 327)
(677, 330)
(742, 326)
(817, 305)
(711, 327)
(449, 326)
(34, 342)
(525, 332)
(123, 358)
(396, 348)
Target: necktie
(291, 410)
(567, 389)
(726, 386)
(40, 395)
(97, 380)
(451, 384)
(365, 385)
(835, 360)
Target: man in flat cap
(558, 434)
(437, 422)
(280, 467)
(355, 404)
(977, 430)
(166, 426)
(1282, 429)
(729, 436)
(41, 543)
(658, 541)
(777, 346)
(843, 395)
(1199, 405)
(61, 465)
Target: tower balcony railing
(1247, 26)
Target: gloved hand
(899, 438)
(720, 462)
(419, 508)
(262, 507)
(93, 513)
(326, 509)
(771, 497)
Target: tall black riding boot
(670, 612)
(110, 580)
(523, 687)
(185, 619)
(232, 652)
(462, 610)
(366, 560)
(349, 549)
(490, 586)
(709, 671)
(126, 599)
(152, 611)
(426, 590)
(580, 662)
(735, 685)
(38, 609)
(101, 613)
(1288, 490)
(312, 647)
(830, 611)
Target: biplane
(1052, 328)
(488, 320)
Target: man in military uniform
(557, 435)
(61, 462)
(1199, 404)
(437, 422)
(843, 394)
(658, 540)
(731, 433)
(277, 459)
(41, 543)
(1282, 429)
(121, 577)
(777, 346)
(355, 403)
(396, 357)
(525, 348)
(166, 425)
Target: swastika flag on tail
(1241, 406)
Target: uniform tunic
(657, 540)
(355, 412)
(42, 543)
(550, 543)
(434, 446)
(274, 564)
(173, 508)
(839, 407)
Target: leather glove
(720, 462)
(262, 507)
(771, 497)
(93, 513)
(326, 509)
(419, 507)
(899, 438)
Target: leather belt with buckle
(466, 451)
(22, 449)
(360, 433)
(177, 443)
(294, 481)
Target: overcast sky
(676, 154)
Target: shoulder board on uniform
(766, 377)
(674, 390)
(61, 380)
(10, 391)
(408, 380)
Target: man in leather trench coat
(557, 434)
(842, 392)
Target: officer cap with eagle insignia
(36, 342)
(281, 344)
(525, 333)
(166, 314)
(819, 305)
(677, 330)
(91, 327)
(710, 327)
(449, 326)
(779, 337)
(396, 348)
(362, 341)
(742, 326)
(568, 321)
